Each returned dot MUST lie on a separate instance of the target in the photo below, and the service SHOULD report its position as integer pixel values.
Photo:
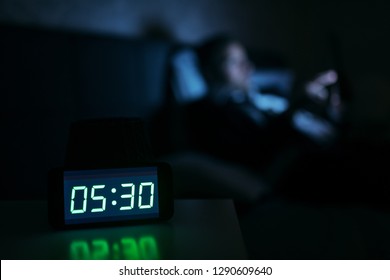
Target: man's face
(237, 68)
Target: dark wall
(50, 79)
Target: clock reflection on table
(199, 229)
(129, 248)
(139, 243)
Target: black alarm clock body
(139, 193)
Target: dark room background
(300, 31)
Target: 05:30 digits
(130, 195)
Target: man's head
(224, 61)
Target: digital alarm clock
(110, 196)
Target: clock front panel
(106, 195)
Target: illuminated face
(237, 68)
